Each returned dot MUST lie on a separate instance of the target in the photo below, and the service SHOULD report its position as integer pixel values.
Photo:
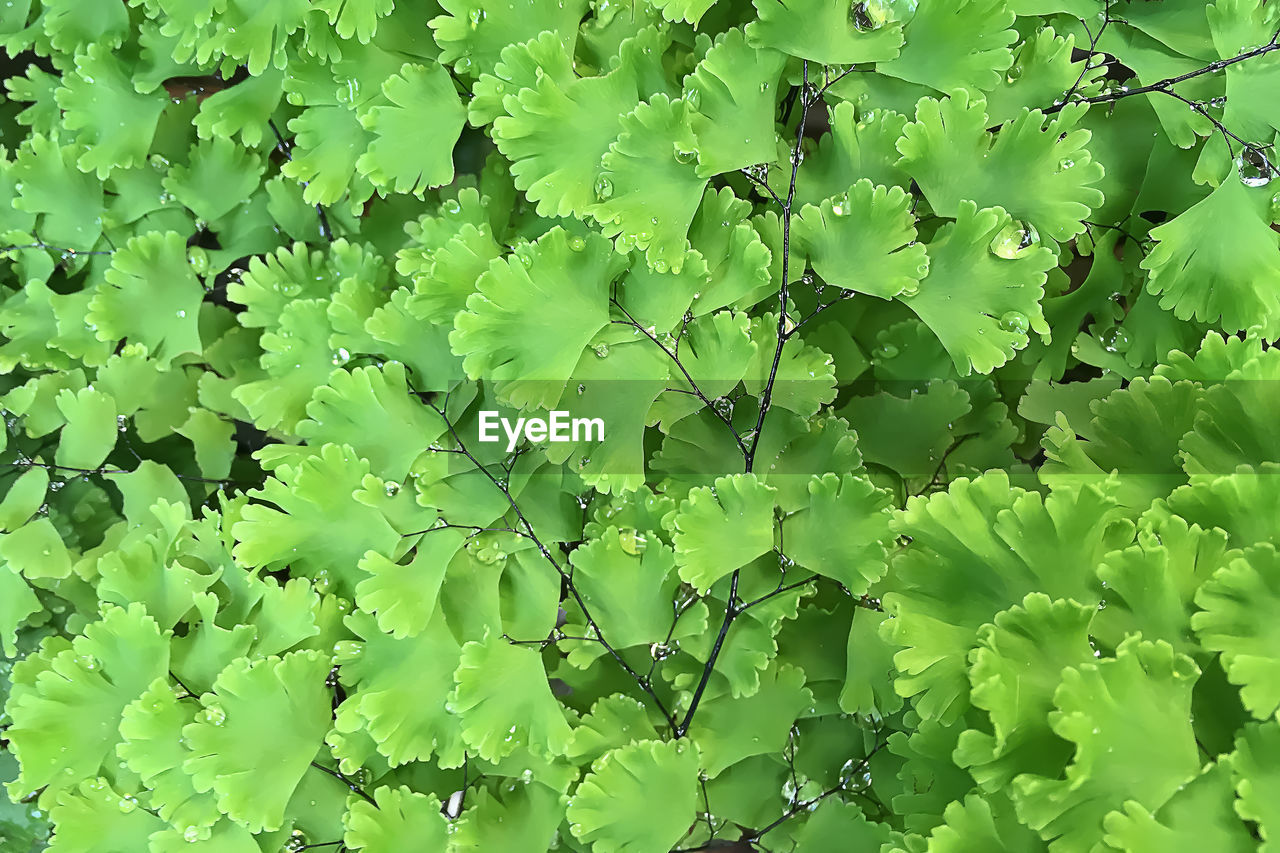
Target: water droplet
(297, 841)
(345, 651)
(392, 489)
(866, 16)
(451, 206)
(1254, 168)
(214, 715)
(322, 582)
(1015, 322)
(1218, 103)
(476, 17)
(89, 662)
(660, 651)
(686, 157)
(601, 350)
(693, 98)
(1015, 71)
(1116, 340)
(886, 351)
(604, 188)
(576, 243)
(1015, 240)
(632, 541)
(463, 65)
(840, 205)
(660, 266)
(192, 834)
(128, 803)
(340, 357)
(1065, 163)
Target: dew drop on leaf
(886, 351)
(463, 65)
(601, 350)
(1254, 168)
(604, 188)
(392, 489)
(686, 157)
(128, 803)
(577, 244)
(1015, 322)
(1015, 240)
(1115, 339)
(632, 541)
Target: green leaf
(90, 433)
(329, 142)
(473, 32)
(822, 31)
(65, 727)
(1215, 259)
(864, 240)
(505, 702)
(1237, 602)
(648, 196)
(843, 532)
(534, 314)
(404, 596)
(1015, 669)
(1256, 781)
(93, 811)
(637, 799)
(316, 528)
(419, 94)
(1036, 171)
(398, 819)
(951, 46)
(371, 410)
(153, 298)
(116, 124)
(217, 177)
(396, 691)
(734, 92)
(1200, 813)
(729, 729)
(980, 305)
(626, 579)
(976, 550)
(17, 602)
(559, 128)
(722, 528)
(253, 766)
(1130, 718)
(151, 731)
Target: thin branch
(692, 384)
(346, 780)
(555, 564)
(1164, 86)
(284, 148)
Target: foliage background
(937, 507)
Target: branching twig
(284, 148)
(565, 576)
